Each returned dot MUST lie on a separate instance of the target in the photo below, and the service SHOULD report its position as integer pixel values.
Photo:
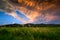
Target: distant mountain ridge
(31, 25)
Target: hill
(31, 25)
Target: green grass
(30, 33)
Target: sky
(29, 11)
(7, 19)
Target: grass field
(30, 33)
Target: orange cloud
(33, 9)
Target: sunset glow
(34, 10)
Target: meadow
(29, 33)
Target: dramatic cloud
(38, 11)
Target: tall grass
(30, 33)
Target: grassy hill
(29, 32)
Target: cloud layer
(37, 11)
